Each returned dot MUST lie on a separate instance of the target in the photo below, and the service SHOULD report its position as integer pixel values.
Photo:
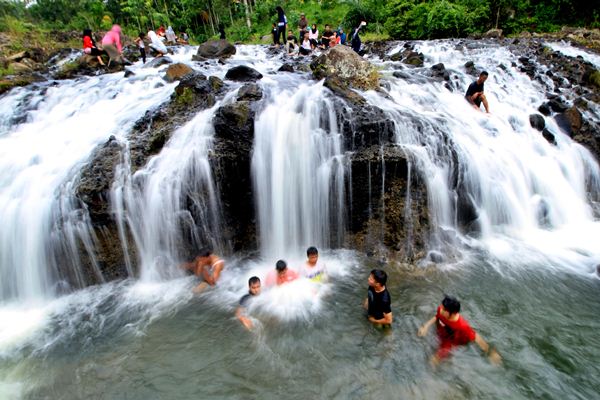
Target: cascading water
(299, 171)
(532, 204)
(41, 153)
(155, 200)
(525, 192)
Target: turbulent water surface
(525, 271)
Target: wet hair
(87, 32)
(280, 266)
(142, 35)
(279, 10)
(451, 304)
(205, 252)
(484, 73)
(253, 280)
(312, 250)
(380, 276)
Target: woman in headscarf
(90, 48)
(111, 43)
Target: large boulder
(243, 73)
(342, 62)
(215, 49)
(537, 122)
(177, 71)
(250, 92)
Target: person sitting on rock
(291, 43)
(313, 35)
(475, 94)
(306, 46)
(90, 48)
(326, 38)
(156, 44)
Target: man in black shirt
(378, 302)
(253, 290)
(475, 94)
(326, 38)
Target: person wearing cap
(453, 330)
(253, 291)
(302, 25)
(281, 275)
(378, 302)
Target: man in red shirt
(453, 330)
(281, 275)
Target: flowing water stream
(525, 268)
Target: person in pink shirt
(281, 275)
(111, 43)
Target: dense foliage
(249, 20)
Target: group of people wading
(451, 327)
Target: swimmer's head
(280, 266)
(451, 304)
(377, 276)
(254, 285)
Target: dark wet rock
(93, 190)
(286, 68)
(235, 122)
(341, 89)
(537, 122)
(439, 72)
(243, 73)
(385, 214)
(575, 119)
(545, 109)
(96, 179)
(158, 62)
(549, 136)
(128, 73)
(9, 82)
(364, 126)
(435, 256)
(216, 83)
(351, 69)
(401, 75)
(471, 69)
(218, 49)
(413, 58)
(558, 105)
(250, 92)
(177, 71)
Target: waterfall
(172, 197)
(48, 132)
(298, 168)
(525, 191)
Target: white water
(299, 169)
(571, 51)
(511, 173)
